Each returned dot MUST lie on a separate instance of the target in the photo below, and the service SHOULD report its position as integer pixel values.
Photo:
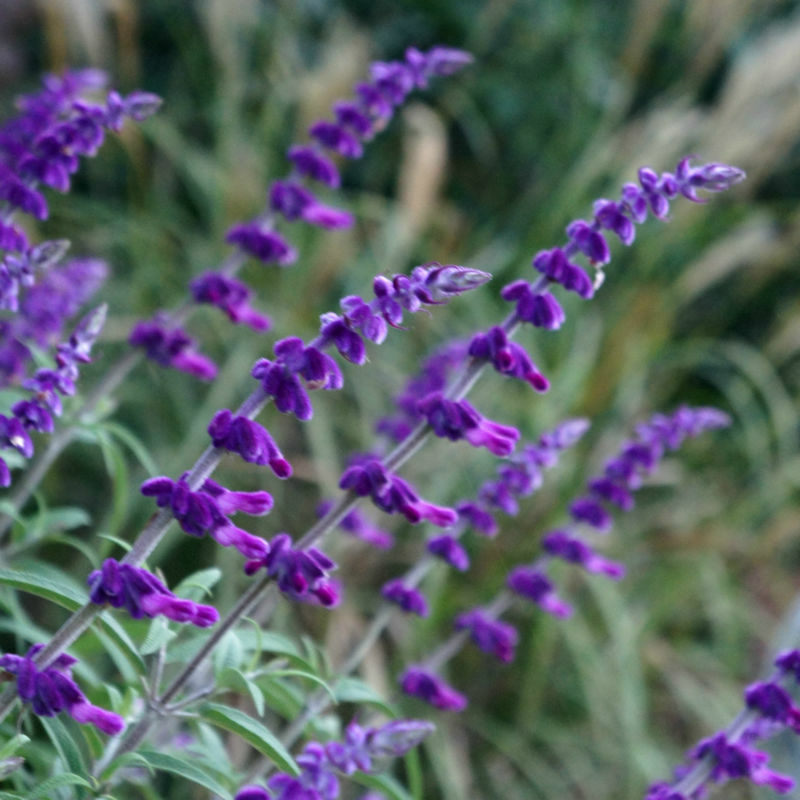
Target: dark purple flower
(491, 635)
(231, 297)
(143, 595)
(171, 348)
(773, 702)
(301, 574)
(312, 164)
(337, 138)
(478, 517)
(262, 243)
(532, 584)
(507, 357)
(589, 241)
(561, 544)
(449, 549)
(248, 439)
(279, 378)
(588, 510)
(350, 114)
(555, 265)
(432, 689)
(294, 201)
(204, 511)
(348, 342)
(540, 309)
(455, 420)
(392, 494)
(408, 598)
(252, 792)
(52, 690)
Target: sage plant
(215, 692)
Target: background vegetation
(566, 99)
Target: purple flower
(478, 517)
(312, 164)
(459, 420)
(532, 584)
(171, 348)
(555, 265)
(204, 512)
(279, 378)
(490, 635)
(337, 138)
(392, 494)
(252, 792)
(262, 243)
(507, 357)
(294, 201)
(408, 598)
(231, 297)
(143, 595)
(357, 524)
(52, 690)
(248, 439)
(449, 549)
(432, 689)
(561, 544)
(301, 574)
(588, 510)
(540, 309)
(774, 703)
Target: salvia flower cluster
(52, 690)
(46, 388)
(290, 199)
(731, 753)
(41, 148)
(321, 765)
(623, 474)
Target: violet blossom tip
(252, 792)
(432, 689)
(396, 738)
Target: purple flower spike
(349, 114)
(589, 241)
(449, 549)
(612, 492)
(560, 544)
(230, 296)
(262, 243)
(774, 703)
(738, 760)
(532, 584)
(556, 266)
(142, 594)
(295, 202)
(507, 357)
(52, 690)
(307, 161)
(540, 309)
(588, 510)
(408, 598)
(201, 512)
(337, 138)
(478, 517)
(301, 574)
(171, 348)
(789, 663)
(392, 494)
(347, 341)
(612, 217)
(497, 638)
(455, 420)
(432, 689)
(279, 378)
(249, 440)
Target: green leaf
(134, 444)
(45, 788)
(203, 580)
(390, 786)
(158, 634)
(66, 744)
(354, 690)
(282, 697)
(62, 594)
(126, 760)
(119, 635)
(13, 744)
(252, 731)
(236, 680)
(228, 653)
(301, 673)
(186, 768)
